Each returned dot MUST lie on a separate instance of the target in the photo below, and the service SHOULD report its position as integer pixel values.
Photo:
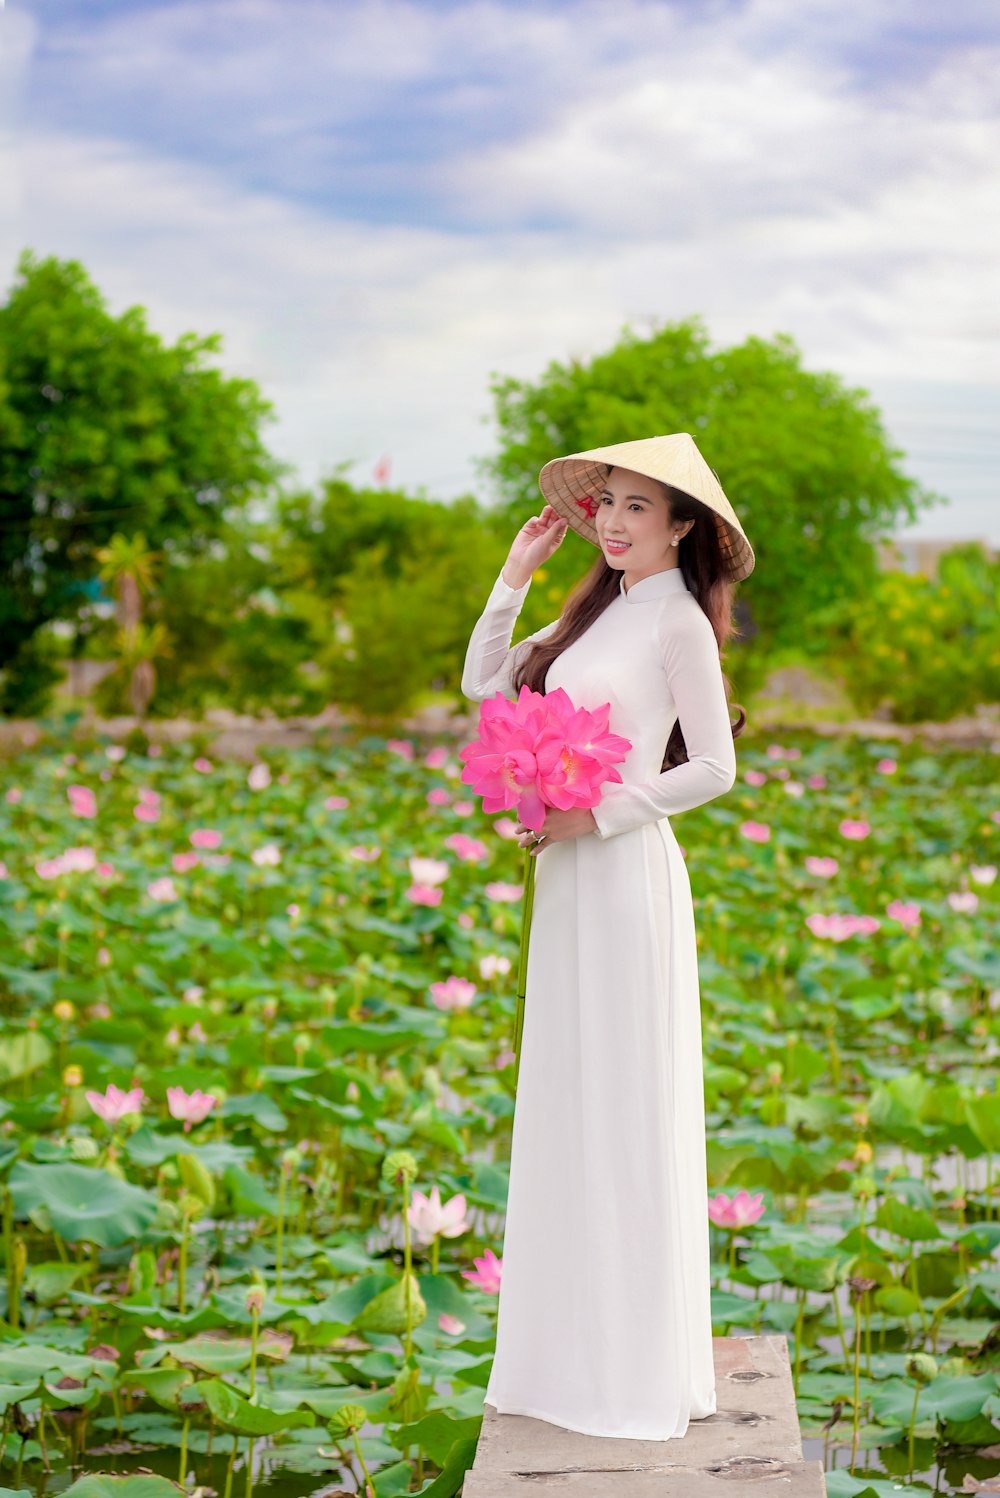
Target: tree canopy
(104, 427)
(804, 460)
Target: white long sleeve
(489, 660)
(690, 655)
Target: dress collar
(656, 585)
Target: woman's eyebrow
(643, 497)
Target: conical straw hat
(571, 486)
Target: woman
(604, 1319)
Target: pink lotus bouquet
(539, 752)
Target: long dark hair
(701, 563)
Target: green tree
(104, 427)
(804, 459)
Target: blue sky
(380, 203)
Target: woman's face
(634, 525)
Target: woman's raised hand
(534, 543)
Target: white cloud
(752, 182)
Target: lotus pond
(256, 1093)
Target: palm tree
(128, 565)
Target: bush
(928, 649)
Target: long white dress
(604, 1319)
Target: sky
(381, 204)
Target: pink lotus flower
(182, 862)
(886, 767)
(964, 901)
(73, 861)
(114, 1104)
(855, 830)
(450, 1324)
(259, 777)
(438, 797)
(465, 921)
(82, 801)
(363, 854)
(755, 777)
(490, 966)
(266, 856)
(203, 766)
(841, 925)
(453, 993)
(795, 788)
(908, 915)
(428, 870)
(116, 752)
(103, 957)
(402, 747)
(497, 890)
(13, 795)
(189, 1108)
(162, 889)
(205, 837)
(505, 1058)
(464, 808)
(146, 812)
(424, 894)
(436, 757)
(149, 797)
(336, 803)
(739, 1211)
(487, 1272)
(816, 782)
(429, 1219)
(469, 849)
(505, 827)
(822, 868)
(983, 873)
(756, 832)
(541, 751)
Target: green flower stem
(182, 1474)
(407, 1262)
(913, 1422)
(369, 1485)
(249, 1487)
(229, 1469)
(254, 1333)
(857, 1361)
(435, 1253)
(182, 1258)
(279, 1245)
(527, 903)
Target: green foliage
(385, 589)
(927, 647)
(104, 428)
(803, 458)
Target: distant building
(909, 555)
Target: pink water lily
(487, 1272)
(438, 796)
(755, 777)
(983, 873)
(336, 803)
(450, 1324)
(83, 802)
(453, 993)
(498, 890)
(822, 868)
(114, 1104)
(402, 747)
(541, 751)
(756, 832)
(739, 1211)
(842, 924)
(429, 870)
(424, 894)
(205, 837)
(429, 1219)
(855, 830)
(469, 849)
(493, 964)
(886, 767)
(202, 765)
(190, 1107)
(436, 757)
(964, 901)
(906, 913)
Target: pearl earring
(674, 542)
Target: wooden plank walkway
(751, 1445)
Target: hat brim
(571, 486)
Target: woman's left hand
(558, 827)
